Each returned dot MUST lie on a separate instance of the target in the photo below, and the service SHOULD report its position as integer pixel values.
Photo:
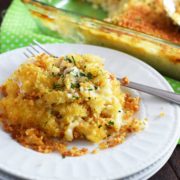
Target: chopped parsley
(73, 86)
(90, 89)
(89, 75)
(73, 60)
(75, 97)
(57, 74)
(119, 111)
(99, 126)
(70, 59)
(57, 86)
(95, 87)
(82, 74)
(111, 123)
(67, 59)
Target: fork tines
(34, 50)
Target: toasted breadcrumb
(95, 151)
(125, 81)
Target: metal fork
(32, 50)
(167, 95)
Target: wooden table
(171, 170)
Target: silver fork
(167, 95)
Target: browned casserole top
(149, 18)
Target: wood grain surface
(171, 170)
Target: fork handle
(170, 96)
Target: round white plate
(155, 167)
(139, 150)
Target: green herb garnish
(119, 111)
(73, 86)
(95, 87)
(89, 76)
(75, 97)
(111, 123)
(99, 126)
(90, 89)
(57, 86)
(73, 60)
(82, 74)
(70, 59)
(57, 74)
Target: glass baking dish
(62, 19)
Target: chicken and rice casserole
(50, 101)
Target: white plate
(138, 152)
(155, 167)
(158, 165)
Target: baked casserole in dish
(137, 27)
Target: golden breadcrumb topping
(147, 16)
